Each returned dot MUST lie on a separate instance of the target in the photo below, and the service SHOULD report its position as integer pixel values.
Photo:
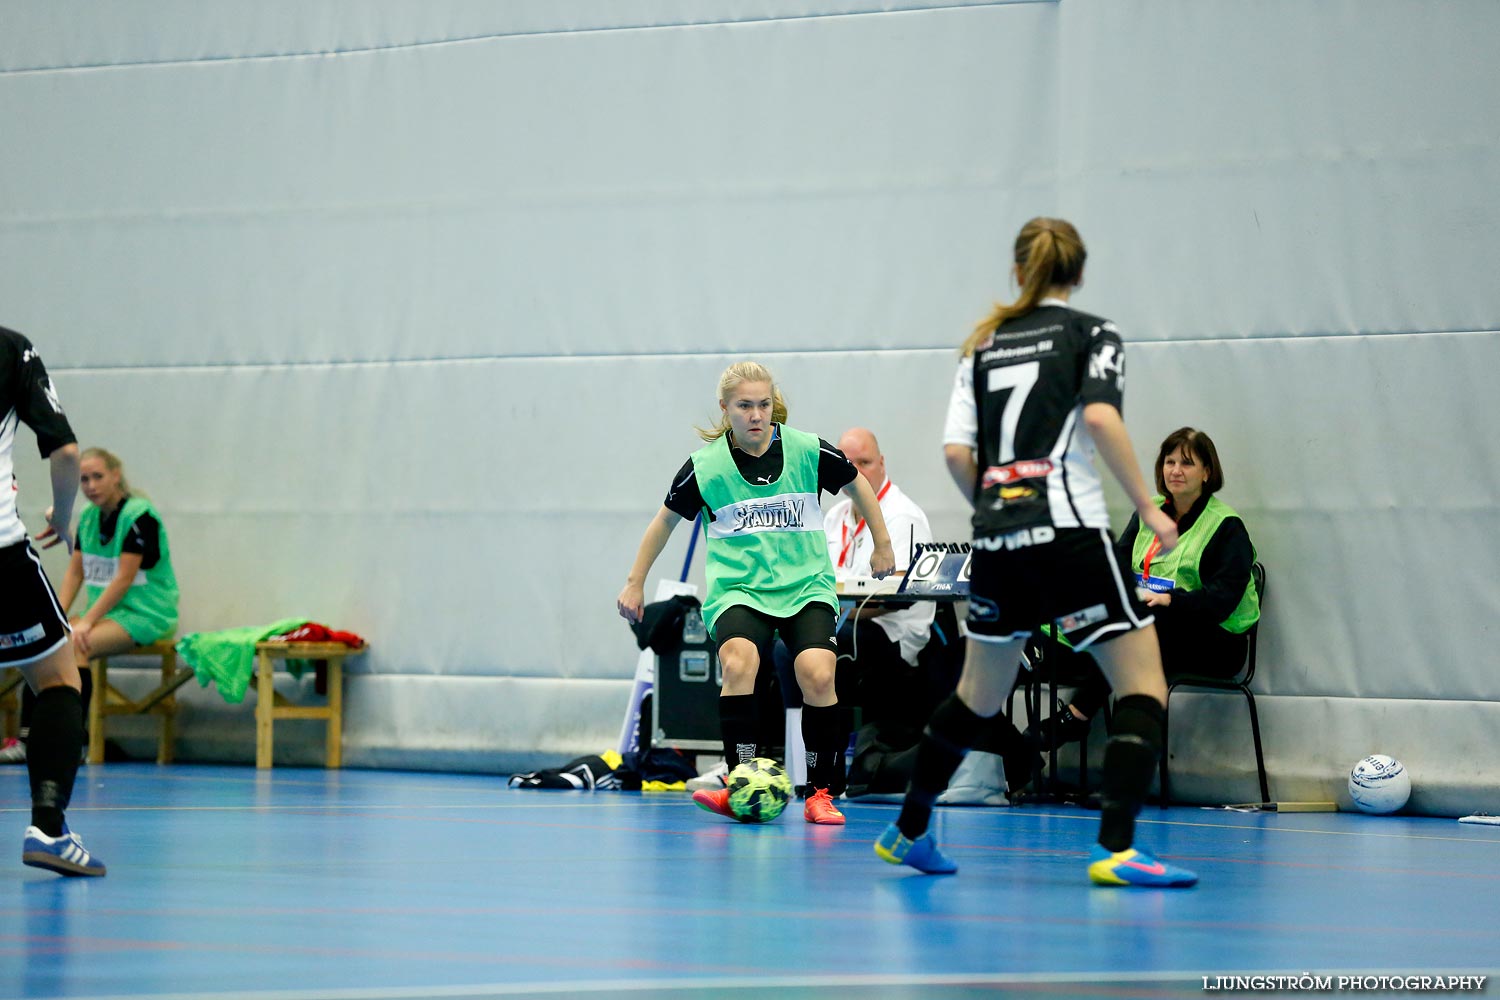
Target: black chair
(1040, 682)
(1240, 682)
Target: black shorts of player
(809, 628)
(32, 622)
(1070, 576)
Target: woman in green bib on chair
(1202, 592)
(123, 564)
(757, 482)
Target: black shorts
(32, 622)
(1033, 577)
(810, 628)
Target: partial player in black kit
(1039, 388)
(34, 632)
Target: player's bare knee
(816, 683)
(740, 661)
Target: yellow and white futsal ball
(1379, 784)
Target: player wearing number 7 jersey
(1039, 390)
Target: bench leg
(97, 714)
(336, 713)
(166, 747)
(265, 704)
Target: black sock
(739, 722)
(950, 732)
(52, 756)
(825, 731)
(1129, 763)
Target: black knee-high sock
(825, 731)
(951, 731)
(28, 705)
(739, 722)
(1129, 762)
(52, 755)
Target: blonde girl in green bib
(756, 483)
(123, 564)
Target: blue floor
(225, 882)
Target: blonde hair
(111, 462)
(734, 376)
(1049, 253)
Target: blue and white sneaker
(65, 855)
(921, 854)
(1133, 867)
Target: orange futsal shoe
(821, 810)
(715, 800)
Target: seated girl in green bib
(123, 564)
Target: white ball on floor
(1379, 784)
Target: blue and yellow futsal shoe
(65, 854)
(1133, 867)
(921, 854)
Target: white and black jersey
(26, 397)
(835, 471)
(1018, 402)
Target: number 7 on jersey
(1016, 381)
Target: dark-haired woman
(1201, 593)
(757, 481)
(1039, 388)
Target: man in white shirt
(899, 631)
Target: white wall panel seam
(535, 33)
(689, 355)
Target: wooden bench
(270, 705)
(160, 701)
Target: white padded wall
(403, 314)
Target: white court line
(1188, 977)
(668, 799)
(1143, 820)
(330, 806)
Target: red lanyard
(1151, 550)
(847, 540)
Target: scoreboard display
(939, 571)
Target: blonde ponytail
(1049, 253)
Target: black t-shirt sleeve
(835, 471)
(1104, 368)
(683, 497)
(1225, 571)
(35, 398)
(144, 539)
